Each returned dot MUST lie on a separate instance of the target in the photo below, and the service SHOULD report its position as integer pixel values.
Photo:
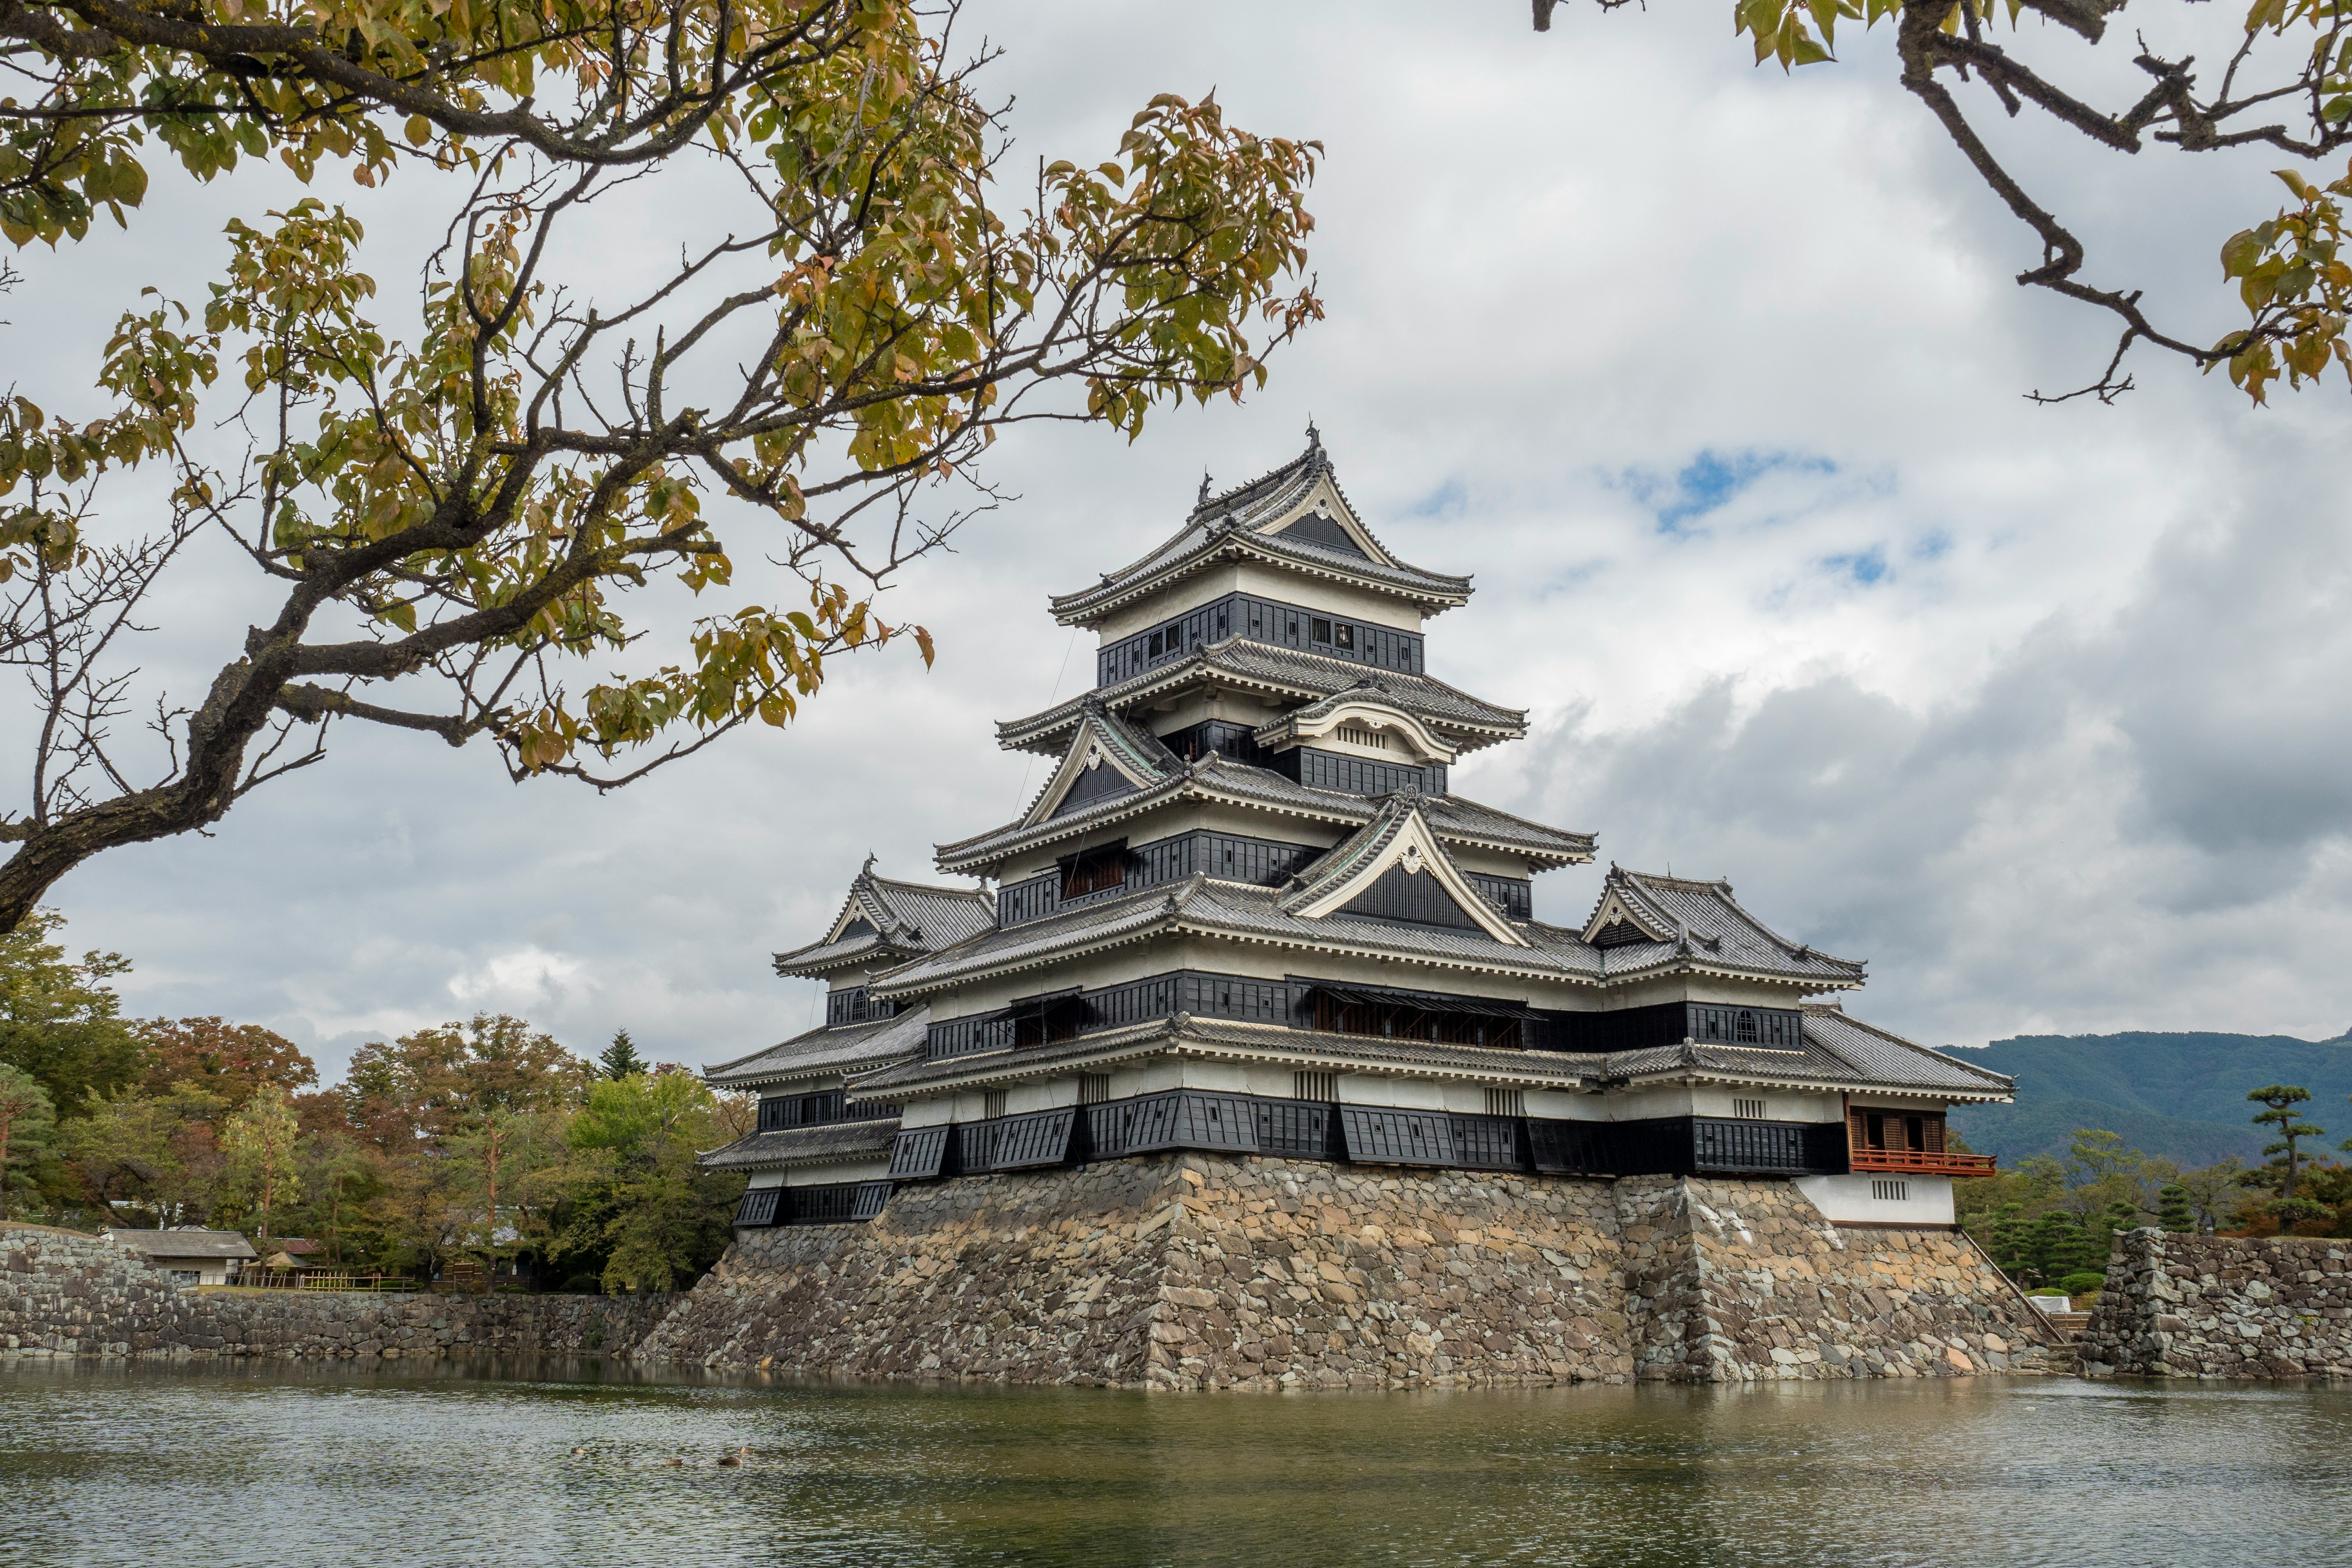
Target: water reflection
(473, 1465)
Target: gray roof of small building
(1454, 819)
(1466, 722)
(182, 1243)
(804, 1145)
(851, 1047)
(908, 918)
(1255, 914)
(1228, 526)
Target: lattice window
(1748, 1110)
(1357, 735)
(992, 1104)
(1507, 1103)
(1094, 1088)
(1322, 1086)
(1890, 1191)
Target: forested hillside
(2182, 1096)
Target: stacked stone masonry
(65, 1294)
(1189, 1271)
(2177, 1305)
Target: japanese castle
(1248, 915)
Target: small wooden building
(189, 1257)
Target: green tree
(2174, 1210)
(635, 1192)
(2285, 89)
(2280, 1101)
(620, 1059)
(465, 515)
(260, 1142)
(152, 1151)
(2216, 1191)
(59, 1021)
(26, 1121)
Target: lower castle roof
(1839, 1053)
(850, 1047)
(804, 1145)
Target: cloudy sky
(1712, 377)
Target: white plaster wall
(1043, 1094)
(766, 1179)
(926, 1112)
(1714, 1100)
(872, 1170)
(1403, 1093)
(1847, 1200)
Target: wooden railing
(322, 1279)
(1921, 1163)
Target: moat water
(475, 1466)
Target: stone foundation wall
(63, 1293)
(2177, 1305)
(1189, 1271)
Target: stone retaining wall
(64, 1293)
(1191, 1271)
(2177, 1305)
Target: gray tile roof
(181, 1243)
(1313, 1051)
(1840, 1053)
(907, 919)
(804, 1145)
(1466, 722)
(1453, 817)
(1702, 921)
(852, 1048)
(1232, 526)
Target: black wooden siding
(851, 1005)
(781, 1110)
(1416, 896)
(1369, 1134)
(1320, 769)
(1227, 856)
(1515, 896)
(1014, 1142)
(829, 1202)
(1671, 1023)
(1266, 621)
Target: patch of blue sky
(1448, 500)
(1710, 480)
(1866, 567)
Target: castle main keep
(1248, 931)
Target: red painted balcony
(1920, 1163)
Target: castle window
(1748, 1110)
(991, 1104)
(1095, 870)
(1744, 1030)
(1887, 1192)
(1344, 635)
(1322, 1086)
(1357, 735)
(1154, 651)
(1322, 631)
(1507, 1103)
(1094, 1088)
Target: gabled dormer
(1363, 721)
(1107, 757)
(883, 923)
(1394, 868)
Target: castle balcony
(1922, 1161)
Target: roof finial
(1203, 499)
(1313, 436)
(868, 870)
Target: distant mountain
(2180, 1095)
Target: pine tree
(2281, 1098)
(2172, 1210)
(620, 1059)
